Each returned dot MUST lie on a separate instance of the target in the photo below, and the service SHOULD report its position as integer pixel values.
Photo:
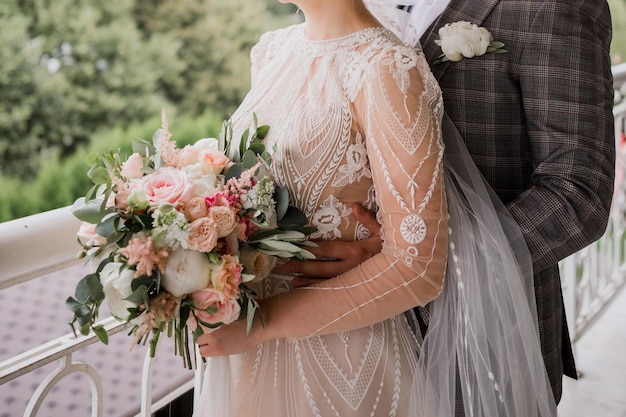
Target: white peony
(116, 284)
(186, 271)
(460, 40)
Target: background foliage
(87, 75)
(69, 68)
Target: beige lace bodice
(357, 119)
(354, 119)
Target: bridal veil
(482, 342)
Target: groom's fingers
(334, 257)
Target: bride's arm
(402, 132)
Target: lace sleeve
(399, 113)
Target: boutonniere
(460, 40)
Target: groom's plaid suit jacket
(538, 122)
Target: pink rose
(212, 162)
(227, 310)
(133, 167)
(226, 277)
(202, 235)
(167, 185)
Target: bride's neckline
(331, 44)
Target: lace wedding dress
(359, 119)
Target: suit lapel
(474, 11)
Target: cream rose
(88, 236)
(167, 185)
(463, 39)
(116, 284)
(203, 184)
(186, 271)
(212, 162)
(227, 310)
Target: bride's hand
(231, 339)
(336, 257)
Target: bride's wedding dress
(358, 119)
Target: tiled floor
(601, 358)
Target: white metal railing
(26, 254)
(593, 276)
(590, 278)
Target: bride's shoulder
(277, 35)
(270, 42)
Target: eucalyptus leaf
(89, 289)
(257, 147)
(101, 332)
(261, 131)
(91, 158)
(244, 142)
(249, 159)
(79, 309)
(89, 211)
(99, 175)
(137, 295)
(108, 226)
(234, 171)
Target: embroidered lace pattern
(353, 120)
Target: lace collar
(349, 41)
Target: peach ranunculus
(133, 167)
(195, 209)
(224, 219)
(166, 185)
(226, 277)
(187, 271)
(227, 309)
(202, 235)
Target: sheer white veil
(482, 347)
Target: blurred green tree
(71, 67)
(215, 37)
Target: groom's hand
(336, 257)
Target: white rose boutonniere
(465, 40)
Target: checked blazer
(538, 123)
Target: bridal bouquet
(176, 235)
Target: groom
(538, 123)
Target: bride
(357, 117)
